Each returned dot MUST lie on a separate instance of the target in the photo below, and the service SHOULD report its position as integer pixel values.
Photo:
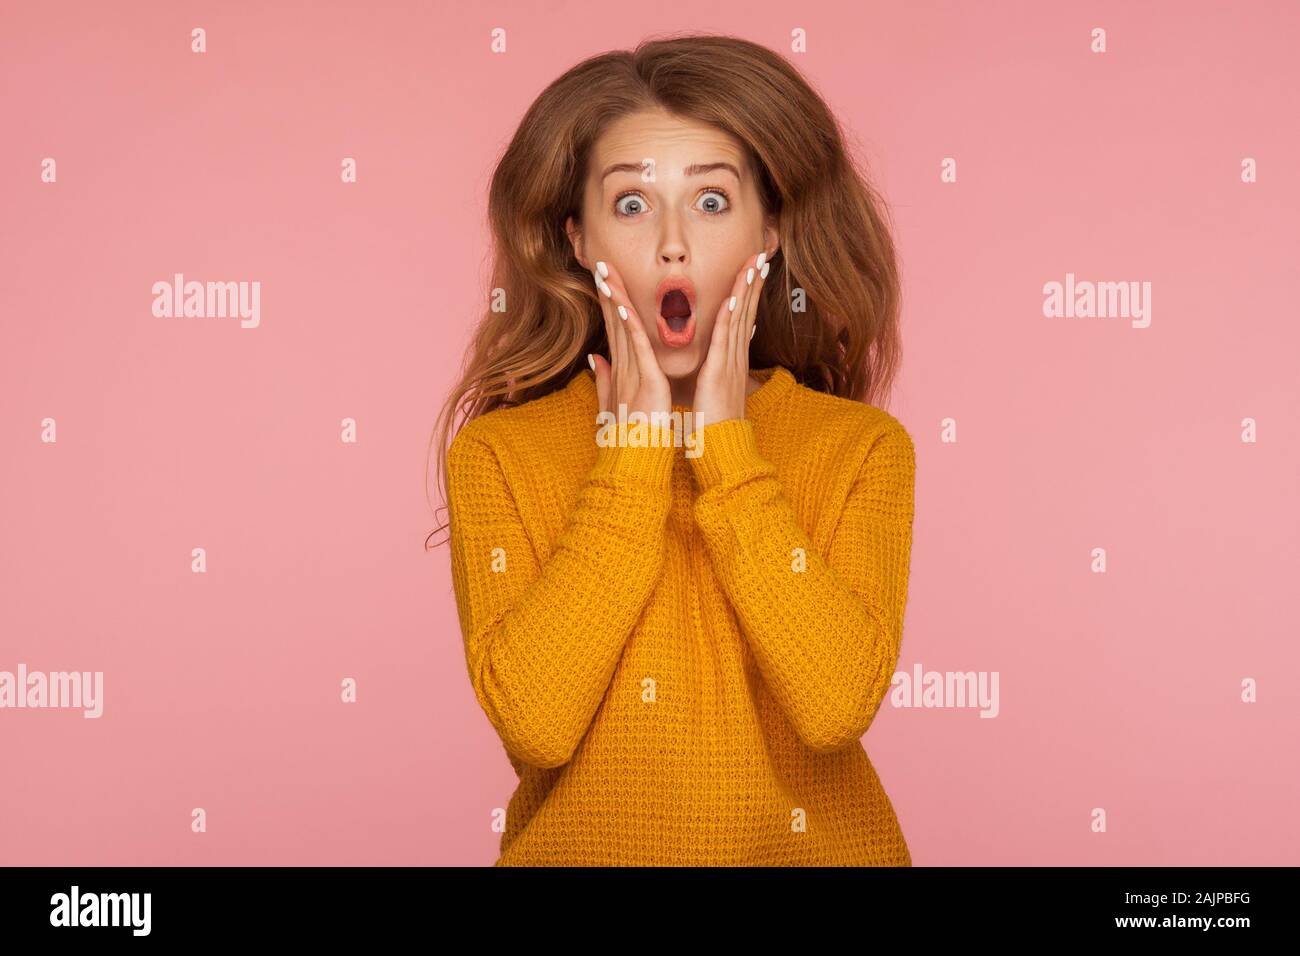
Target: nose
(672, 243)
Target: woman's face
(653, 209)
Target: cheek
(727, 254)
(616, 247)
(722, 280)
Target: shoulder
(517, 432)
(869, 451)
(852, 430)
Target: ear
(771, 239)
(574, 232)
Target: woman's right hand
(634, 378)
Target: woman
(681, 637)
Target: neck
(683, 389)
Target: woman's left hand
(721, 385)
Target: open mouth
(676, 311)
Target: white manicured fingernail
(762, 257)
(604, 270)
(749, 279)
(763, 273)
(622, 312)
(752, 331)
(604, 287)
(732, 306)
(592, 362)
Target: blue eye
(623, 210)
(725, 199)
(716, 207)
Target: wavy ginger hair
(835, 245)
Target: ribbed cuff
(641, 451)
(730, 449)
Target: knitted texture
(680, 654)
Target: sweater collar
(777, 382)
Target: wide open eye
(631, 208)
(719, 205)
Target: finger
(751, 324)
(745, 314)
(615, 297)
(719, 342)
(607, 310)
(647, 363)
(612, 335)
(602, 381)
(723, 346)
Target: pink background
(1119, 690)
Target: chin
(679, 363)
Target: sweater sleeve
(825, 629)
(542, 640)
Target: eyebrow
(695, 169)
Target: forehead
(672, 142)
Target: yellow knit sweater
(680, 654)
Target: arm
(542, 642)
(826, 638)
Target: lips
(675, 298)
